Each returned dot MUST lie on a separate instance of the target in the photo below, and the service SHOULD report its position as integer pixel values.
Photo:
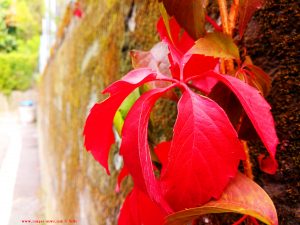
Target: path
(19, 171)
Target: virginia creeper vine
(220, 104)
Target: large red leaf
(258, 111)
(246, 10)
(139, 209)
(98, 127)
(135, 148)
(204, 154)
(241, 196)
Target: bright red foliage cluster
(205, 151)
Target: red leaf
(78, 13)
(162, 151)
(180, 43)
(258, 111)
(135, 148)
(198, 64)
(98, 127)
(124, 173)
(139, 209)
(246, 10)
(204, 154)
(205, 84)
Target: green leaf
(128, 102)
(124, 109)
(241, 196)
(118, 122)
(217, 45)
(190, 14)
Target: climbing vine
(220, 106)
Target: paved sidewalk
(19, 172)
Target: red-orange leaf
(258, 78)
(246, 10)
(190, 14)
(241, 196)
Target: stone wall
(90, 52)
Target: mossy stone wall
(90, 53)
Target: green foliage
(20, 28)
(16, 71)
(27, 21)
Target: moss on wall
(92, 52)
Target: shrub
(16, 71)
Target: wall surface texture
(92, 51)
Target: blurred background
(55, 58)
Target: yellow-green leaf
(128, 102)
(242, 196)
(217, 45)
(124, 109)
(118, 122)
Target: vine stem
(233, 16)
(228, 24)
(224, 15)
(224, 20)
(240, 220)
(231, 25)
(254, 221)
(247, 163)
(213, 23)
